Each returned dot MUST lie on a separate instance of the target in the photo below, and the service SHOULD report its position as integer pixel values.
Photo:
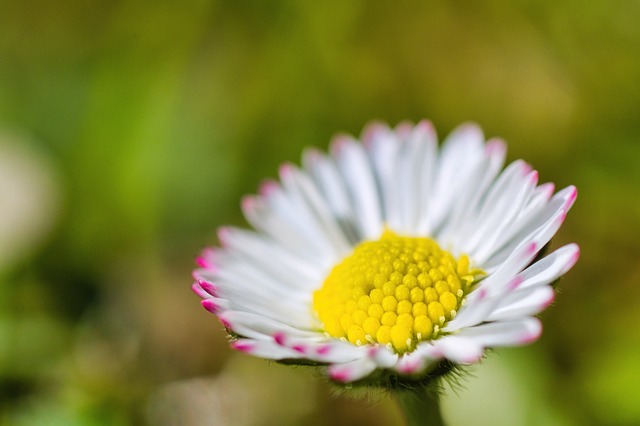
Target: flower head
(390, 256)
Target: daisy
(390, 259)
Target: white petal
(504, 276)
(356, 171)
(416, 361)
(336, 351)
(311, 205)
(215, 305)
(550, 267)
(539, 229)
(262, 328)
(382, 356)
(197, 289)
(475, 226)
(523, 302)
(352, 371)
(504, 208)
(282, 311)
(518, 297)
(426, 178)
(258, 292)
(406, 184)
(286, 266)
(522, 255)
(505, 333)
(231, 277)
(460, 152)
(382, 146)
(459, 349)
(320, 348)
(284, 205)
(417, 154)
(460, 222)
(267, 349)
(274, 220)
(534, 206)
(474, 311)
(327, 176)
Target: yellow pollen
(396, 291)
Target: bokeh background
(130, 129)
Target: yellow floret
(388, 318)
(389, 304)
(422, 327)
(404, 307)
(375, 311)
(364, 302)
(401, 338)
(402, 292)
(405, 320)
(356, 335)
(371, 326)
(449, 302)
(383, 335)
(419, 309)
(416, 295)
(376, 296)
(436, 312)
(359, 316)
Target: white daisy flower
(391, 257)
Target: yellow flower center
(396, 291)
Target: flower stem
(420, 406)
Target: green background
(150, 119)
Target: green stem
(420, 406)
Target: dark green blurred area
(153, 118)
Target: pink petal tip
(482, 293)
(426, 126)
(223, 235)
(409, 367)
(472, 359)
(300, 349)
(245, 347)
(572, 196)
(514, 283)
(201, 262)
(526, 168)
(574, 258)
(209, 287)
(225, 323)
(528, 339)
(339, 375)
(248, 203)
(286, 170)
(199, 291)
(549, 301)
(372, 131)
(313, 155)
(323, 350)
(339, 143)
(404, 129)
(495, 146)
(268, 187)
(279, 337)
(210, 306)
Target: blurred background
(129, 130)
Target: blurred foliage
(155, 117)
